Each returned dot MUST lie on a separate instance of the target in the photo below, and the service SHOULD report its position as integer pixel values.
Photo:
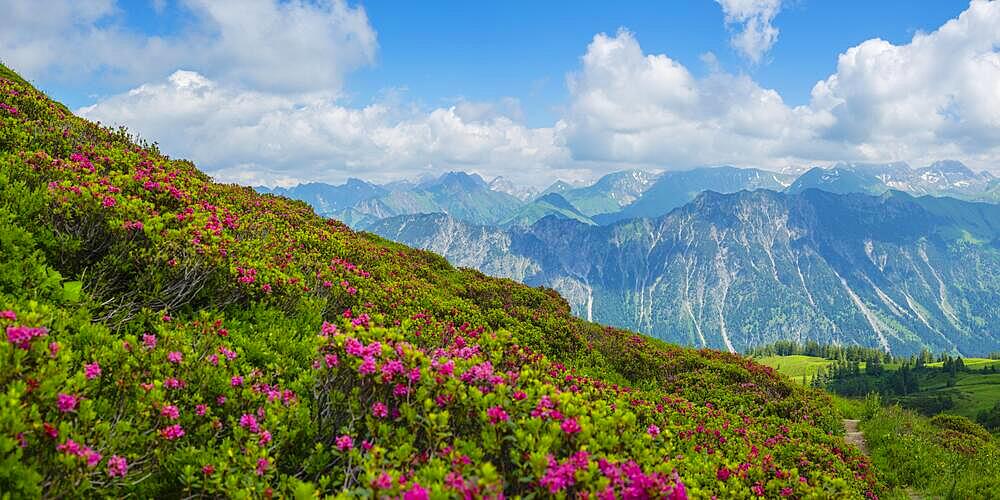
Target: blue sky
(283, 91)
(439, 51)
(525, 48)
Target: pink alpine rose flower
(249, 422)
(345, 443)
(172, 432)
(67, 402)
(416, 492)
(496, 415)
(570, 426)
(21, 336)
(92, 457)
(171, 412)
(117, 466)
(723, 474)
(382, 482)
(92, 370)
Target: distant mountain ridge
(676, 188)
(622, 195)
(730, 271)
(551, 204)
(942, 178)
(327, 199)
(611, 192)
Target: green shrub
(943, 457)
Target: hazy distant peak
(457, 179)
(504, 185)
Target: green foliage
(943, 457)
(961, 425)
(990, 419)
(968, 387)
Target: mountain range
(882, 255)
(942, 178)
(621, 195)
(731, 271)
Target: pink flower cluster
(570, 426)
(496, 415)
(67, 402)
(345, 443)
(117, 466)
(482, 376)
(416, 492)
(71, 447)
(92, 370)
(172, 432)
(631, 482)
(170, 411)
(560, 476)
(249, 422)
(21, 336)
(545, 409)
(262, 465)
(247, 275)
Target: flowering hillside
(168, 336)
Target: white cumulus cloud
(937, 96)
(255, 137)
(286, 46)
(933, 97)
(751, 22)
(628, 106)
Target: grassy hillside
(972, 391)
(940, 457)
(168, 336)
(973, 363)
(796, 366)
